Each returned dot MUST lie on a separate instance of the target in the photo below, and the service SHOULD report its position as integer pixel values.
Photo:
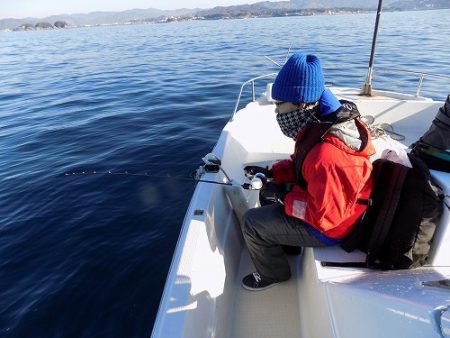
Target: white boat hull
(203, 296)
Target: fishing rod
(146, 174)
(257, 181)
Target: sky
(42, 8)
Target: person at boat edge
(337, 173)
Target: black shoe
(254, 282)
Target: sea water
(87, 255)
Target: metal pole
(253, 91)
(367, 88)
(419, 86)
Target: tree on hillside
(44, 25)
(61, 24)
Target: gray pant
(265, 229)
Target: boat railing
(252, 83)
(421, 76)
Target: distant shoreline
(61, 24)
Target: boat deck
(273, 309)
(295, 308)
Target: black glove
(272, 193)
(251, 170)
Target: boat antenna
(273, 61)
(285, 59)
(288, 52)
(367, 88)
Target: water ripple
(87, 256)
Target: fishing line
(146, 175)
(212, 164)
(256, 183)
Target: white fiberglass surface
(269, 313)
(203, 296)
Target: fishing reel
(212, 164)
(257, 182)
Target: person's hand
(273, 193)
(251, 170)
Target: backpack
(403, 211)
(398, 226)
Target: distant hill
(267, 9)
(419, 4)
(387, 4)
(302, 4)
(105, 18)
(314, 7)
(264, 8)
(99, 18)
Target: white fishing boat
(203, 296)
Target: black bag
(398, 227)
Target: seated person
(320, 207)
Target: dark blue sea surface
(87, 256)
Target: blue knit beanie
(300, 80)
